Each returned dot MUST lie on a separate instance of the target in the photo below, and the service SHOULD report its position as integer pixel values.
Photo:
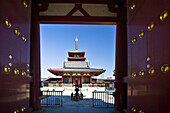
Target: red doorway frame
(121, 50)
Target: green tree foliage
(114, 73)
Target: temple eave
(91, 73)
(76, 52)
(76, 58)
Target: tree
(114, 72)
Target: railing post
(93, 99)
(47, 97)
(61, 98)
(107, 99)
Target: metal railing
(52, 98)
(103, 99)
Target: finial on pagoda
(76, 44)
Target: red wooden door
(149, 92)
(14, 55)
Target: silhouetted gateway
(76, 69)
(142, 31)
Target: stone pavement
(82, 106)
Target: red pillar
(82, 79)
(35, 59)
(90, 81)
(121, 57)
(71, 81)
(62, 81)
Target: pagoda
(76, 69)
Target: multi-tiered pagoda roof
(76, 65)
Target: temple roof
(76, 52)
(76, 56)
(76, 59)
(75, 64)
(90, 71)
(53, 79)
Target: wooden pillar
(35, 59)
(62, 81)
(90, 81)
(121, 57)
(71, 81)
(82, 79)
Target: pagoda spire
(76, 44)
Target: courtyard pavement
(82, 106)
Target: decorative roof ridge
(76, 61)
(96, 68)
(76, 51)
(76, 68)
(75, 57)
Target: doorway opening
(98, 44)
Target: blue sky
(98, 41)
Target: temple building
(76, 69)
